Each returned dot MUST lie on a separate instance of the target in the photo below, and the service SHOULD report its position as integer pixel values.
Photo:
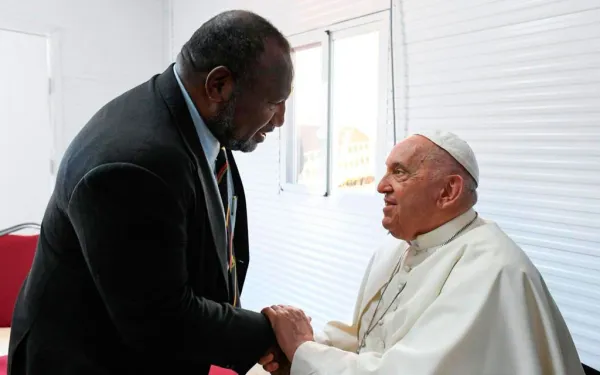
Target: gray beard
(222, 127)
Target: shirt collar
(209, 143)
(443, 233)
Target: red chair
(221, 371)
(16, 256)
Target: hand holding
(275, 362)
(291, 326)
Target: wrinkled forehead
(410, 153)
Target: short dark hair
(235, 39)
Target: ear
(451, 191)
(219, 85)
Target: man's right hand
(275, 362)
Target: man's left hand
(292, 328)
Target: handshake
(292, 328)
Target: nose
(279, 115)
(384, 186)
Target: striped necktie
(222, 171)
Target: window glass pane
(355, 99)
(307, 140)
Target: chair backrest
(3, 365)
(16, 256)
(215, 370)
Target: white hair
(444, 164)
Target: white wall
(102, 48)
(290, 16)
(187, 16)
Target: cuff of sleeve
(305, 357)
(321, 338)
(312, 358)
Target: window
(355, 97)
(335, 127)
(306, 144)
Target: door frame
(55, 95)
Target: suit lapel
(171, 93)
(214, 208)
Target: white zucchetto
(457, 148)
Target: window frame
(326, 37)
(289, 129)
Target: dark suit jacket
(130, 272)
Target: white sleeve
(485, 321)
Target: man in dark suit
(144, 246)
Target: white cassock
(476, 306)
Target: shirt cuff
(306, 354)
(321, 338)
(312, 358)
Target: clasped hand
(292, 328)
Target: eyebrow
(286, 93)
(280, 95)
(398, 165)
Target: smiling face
(422, 189)
(248, 111)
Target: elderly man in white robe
(449, 293)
